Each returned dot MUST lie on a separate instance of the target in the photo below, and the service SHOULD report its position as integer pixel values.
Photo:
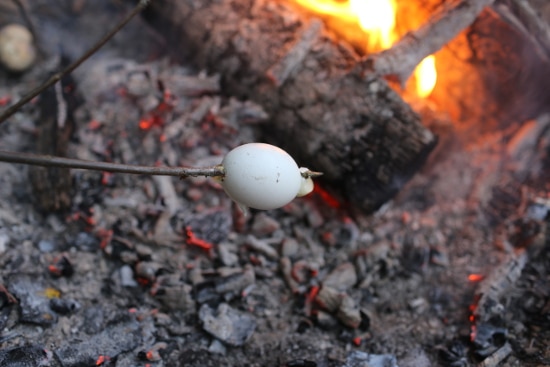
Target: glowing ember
(326, 197)
(193, 240)
(377, 19)
(475, 277)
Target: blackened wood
(52, 186)
(353, 127)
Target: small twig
(51, 161)
(56, 77)
(25, 15)
(182, 172)
(311, 174)
(494, 359)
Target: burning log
(401, 60)
(359, 132)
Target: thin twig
(56, 77)
(25, 15)
(51, 161)
(182, 172)
(311, 174)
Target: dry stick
(56, 77)
(181, 172)
(403, 57)
(24, 14)
(51, 161)
(526, 19)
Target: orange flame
(426, 76)
(377, 19)
(329, 7)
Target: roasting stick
(403, 57)
(246, 173)
(182, 172)
(52, 161)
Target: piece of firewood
(52, 186)
(359, 132)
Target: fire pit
(425, 243)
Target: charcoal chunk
(114, 340)
(35, 305)
(362, 359)
(227, 324)
(27, 356)
(64, 306)
(212, 227)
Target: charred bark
(52, 186)
(353, 127)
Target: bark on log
(359, 132)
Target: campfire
(424, 242)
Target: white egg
(17, 51)
(261, 176)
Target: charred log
(356, 129)
(52, 186)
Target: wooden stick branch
(403, 57)
(181, 172)
(527, 20)
(51, 161)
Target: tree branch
(181, 172)
(51, 161)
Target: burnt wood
(52, 186)
(329, 116)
